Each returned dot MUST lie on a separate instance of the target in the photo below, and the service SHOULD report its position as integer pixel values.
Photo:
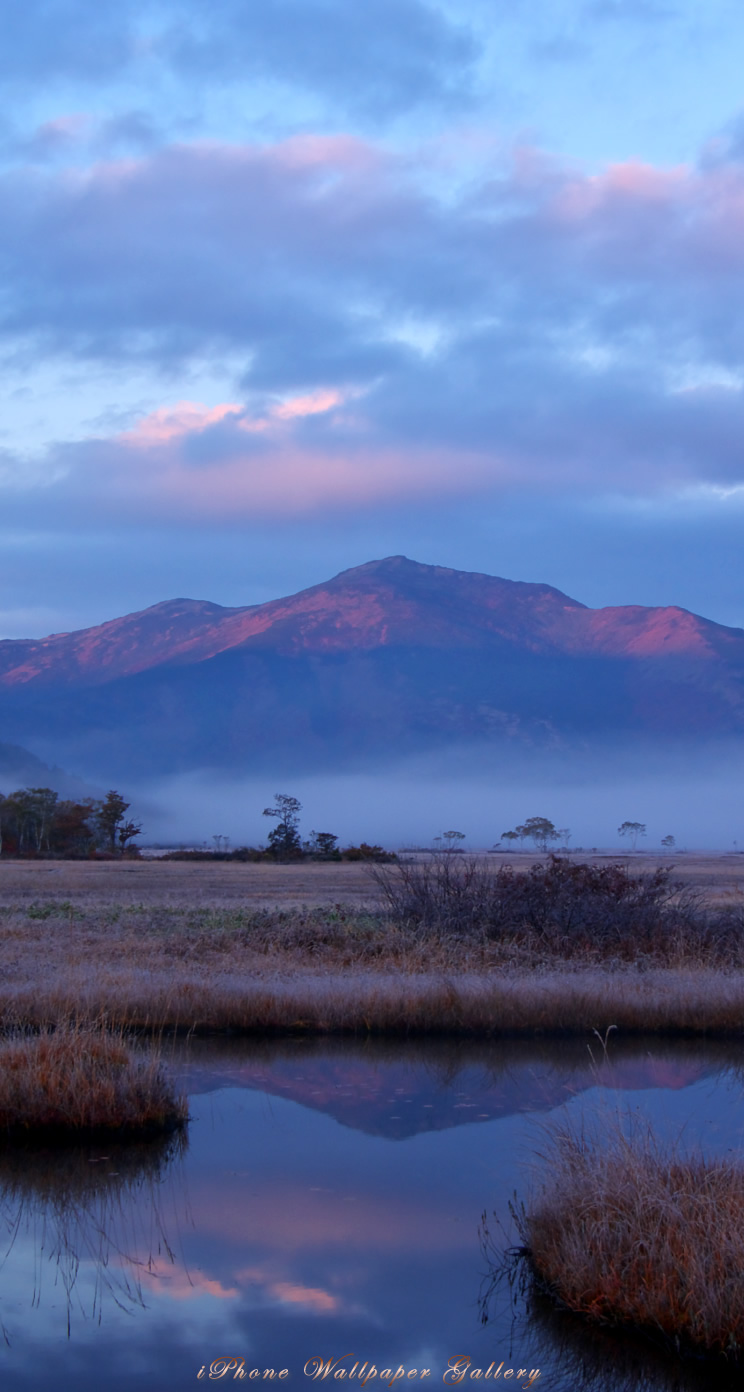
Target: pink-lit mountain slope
(389, 603)
(387, 659)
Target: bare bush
(564, 908)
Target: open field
(223, 884)
(177, 945)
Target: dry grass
(156, 883)
(76, 1079)
(385, 1002)
(629, 1233)
(149, 965)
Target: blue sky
(287, 287)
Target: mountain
(386, 658)
(21, 769)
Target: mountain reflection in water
(384, 1090)
(328, 1202)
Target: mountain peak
(389, 657)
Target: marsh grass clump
(71, 1079)
(632, 1234)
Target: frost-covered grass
(78, 1078)
(566, 949)
(631, 1233)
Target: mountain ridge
(198, 629)
(389, 658)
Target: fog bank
(695, 798)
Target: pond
(326, 1206)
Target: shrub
(561, 907)
(366, 852)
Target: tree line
(37, 821)
(542, 833)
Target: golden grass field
(221, 945)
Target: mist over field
(696, 798)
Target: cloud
(380, 57)
(176, 1283)
(174, 422)
(402, 337)
(629, 11)
(288, 1292)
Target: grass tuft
(79, 1078)
(632, 1234)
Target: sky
(288, 287)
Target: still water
(326, 1205)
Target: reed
(630, 1233)
(76, 1078)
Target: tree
(563, 834)
(452, 837)
(323, 845)
(669, 842)
(540, 830)
(110, 823)
(284, 840)
(510, 836)
(632, 830)
(41, 804)
(127, 832)
(28, 815)
(73, 831)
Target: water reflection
(587, 1358)
(93, 1206)
(383, 1088)
(335, 1190)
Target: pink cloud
(149, 467)
(193, 418)
(310, 1297)
(172, 422)
(286, 481)
(177, 1283)
(289, 1292)
(563, 306)
(316, 151)
(312, 405)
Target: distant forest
(37, 821)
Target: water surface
(328, 1202)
